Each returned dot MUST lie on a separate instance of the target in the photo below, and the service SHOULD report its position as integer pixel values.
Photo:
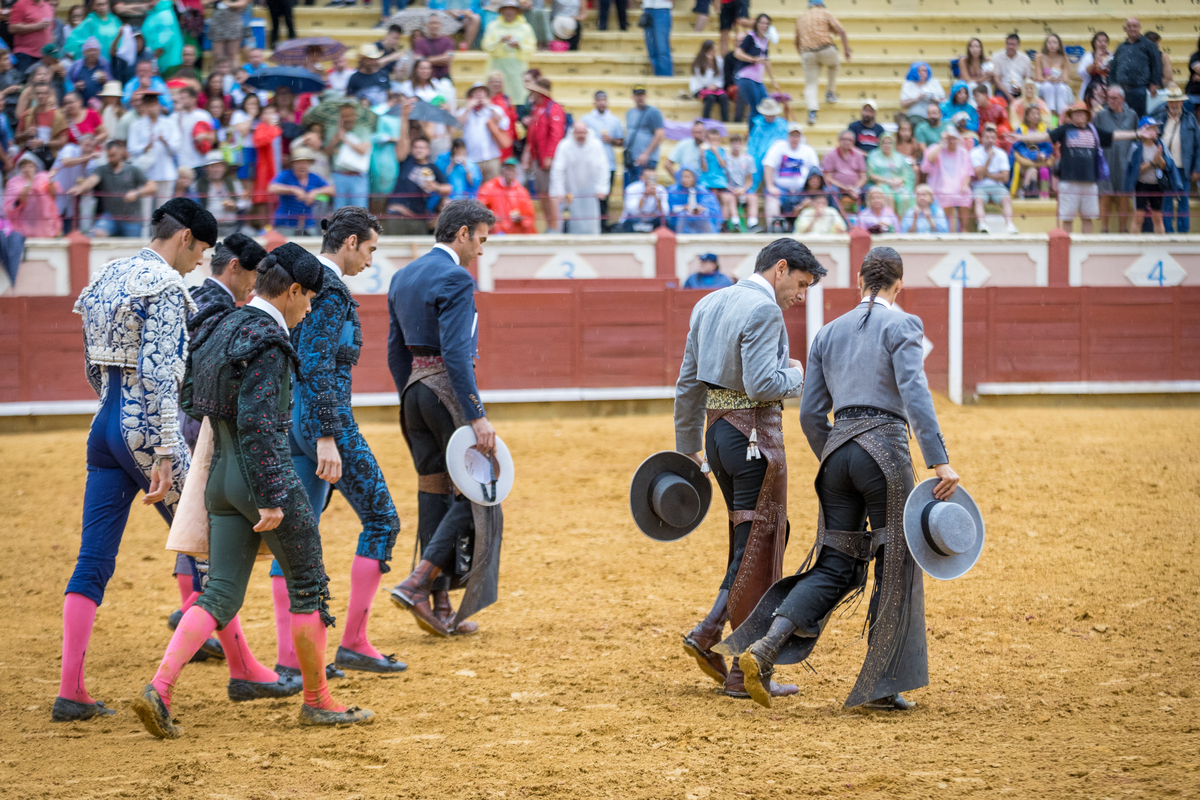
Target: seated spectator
(865, 129)
(29, 199)
(11, 85)
(646, 206)
(740, 169)
(71, 167)
(509, 42)
(466, 15)
(928, 131)
(991, 111)
(919, 91)
(1051, 69)
(579, 178)
(1016, 109)
(298, 189)
(436, 48)
(119, 188)
(960, 102)
(1012, 68)
(369, 82)
(815, 186)
(961, 121)
(100, 24)
(709, 275)
(949, 173)
(785, 171)
(694, 209)
(877, 217)
(219, 190)
(991, 180)
(339, 77)
(892, 174)
(146, 80)
(80, 120)
(509, 201)
(89, 74)
(461, 173)
(1031, 162)
(418, 180)
(40, 120)
(686, 152)
(1093, 66)
(1151, 172)
(925, 216)
(845, 169)
(820, 218)
(713, 176)
(973, 67)
(907, 144)
(284, 103)
(707, 81)
(188, 69)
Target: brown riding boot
(446, 613)
(699, 642)
(412, 594)
(758, 664)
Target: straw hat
(302, 154)
(769, 107)
(112, 89)
(369, 51)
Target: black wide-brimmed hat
(669, 496)
(945, 537)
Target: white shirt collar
(275, 313)
(223, 286)
(453, 254)
(878, 301)
(761, 281)
(336, 269)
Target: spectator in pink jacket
(949, 171)
(29, 199)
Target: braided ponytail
(880, 270)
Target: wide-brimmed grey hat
(945, 537)
(669, 496)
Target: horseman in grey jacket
(729, 402)
(867, 368)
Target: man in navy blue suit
(432, 344)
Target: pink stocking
(185, 588)
(364, 583)
(79, 615)
(286, 653)
(195, 627)
(242, 663)
(190, 600)
(308, 634)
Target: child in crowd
(740, 170)
(713, 177)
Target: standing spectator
(865, 129)
(1136, 67)
(31, 23)
(461, 173)
(154, 143)
(991, 180)
(707, 82)
(785, 171)
(112, 111)
(188, 69)
(579, 179)
(713, 176)
(645, 132)
(509, 201)
(819, 218)
(877, 217)
(71, 166)
(75, 15)
(495, 84)
(1093, 66)
(959, 102)
(1168, 72)
(709, 275)
(1152, 172)
(607, 127)
(396, 61)
(740, 172)
(419, 179)
(338, 78)
(920, 91)
(196, 137)
(754, 53)
(1192, 90)
(43, 128)
(694, 209)
(949, 171)
(225, 29)
(370, 82)
(925, 216)
(219, 190)
(567, 18)
(845, 168)
(119, 188)
(658, 35)
(815, 29)
(81, 121)
(929, 129)
(892, 173)
(1116, 204)
(297, 189)
(622, 14)
(509, 42)
(687, 152)
(11, 85)
(89, 74)
(766, 128)
(1012, 68)
(435, 48)
(436, 91)
(146, 81)
(546, 128)
(486, 130)
(646, 204)
(1181, 139)
(281, 11)
(1051, 69)
(349, 151)
(29, 199)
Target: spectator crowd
(113, 109)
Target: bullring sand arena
(1066, 664)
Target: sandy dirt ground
(1067, 664)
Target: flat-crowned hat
(769, 107)
(112, 89)
(564, 26)
(482, 480)
(669, 496)
(945, 537)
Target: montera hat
(482, 480)
(945, 537)
(190, 215)
(301, 265)
(249, 252)
(669, 496)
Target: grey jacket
(879, 365)
(737, 340)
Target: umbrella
(294, 53)
(414, 18)
(427, 112)
(297, 79)
(328, 112)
